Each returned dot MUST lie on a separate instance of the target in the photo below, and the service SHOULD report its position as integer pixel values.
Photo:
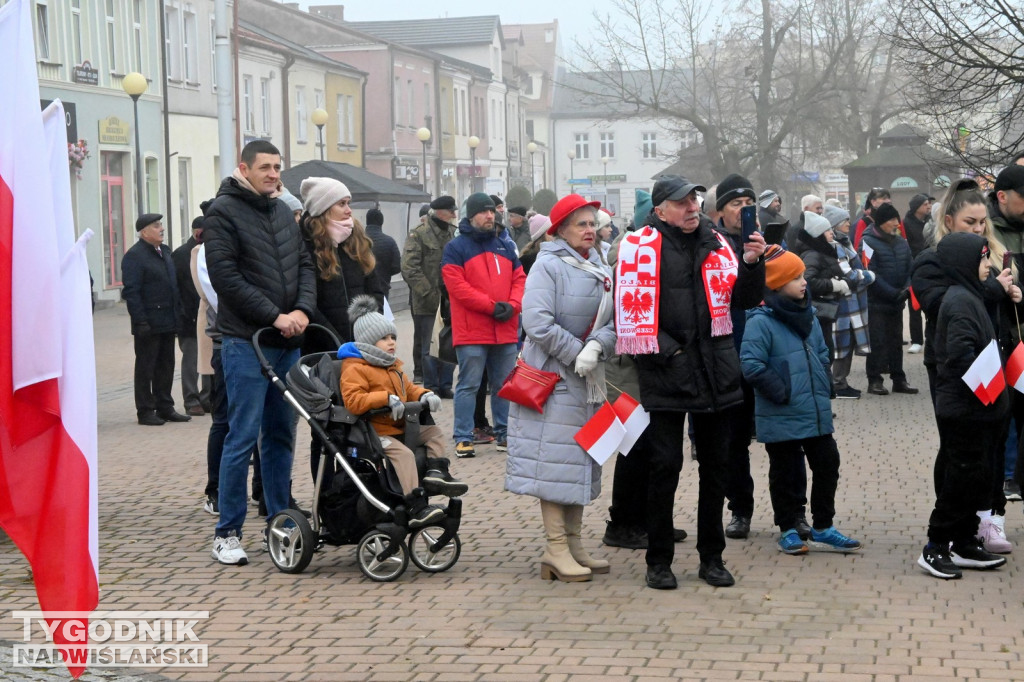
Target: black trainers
(660, 577)
(738, 528)
(847, 393)
(1011, 491)
(437, 482)
(627, 537)
(936, 560)
(714, 573)
(972, 554)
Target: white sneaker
(992, 535)
(915, 348)
(229, 551)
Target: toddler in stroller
(372, 378)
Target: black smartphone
(1007, 260)
(748, 216)
(774, 233)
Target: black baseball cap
(1011, 177)
(673, 188)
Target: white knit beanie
(319, 194)
(815, 225)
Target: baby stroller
(356, 496)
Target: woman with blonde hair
(342, 254)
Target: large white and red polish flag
(48, 443)
(634, 419)
(985, 375)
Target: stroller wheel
(375, 568)
(423, 539)
(290, 541)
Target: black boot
(420, 513)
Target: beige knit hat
(319, 194)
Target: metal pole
(138, 159)
(533, 176)
(472, 169)
(425, 168)
(227, 156)
(320, 137)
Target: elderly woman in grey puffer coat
(567, 317)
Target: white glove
(588, 358)
(869, 276)
(841, 287)
(431, 401)
(397, 407)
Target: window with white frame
(42, 30)
(426, 104)
(345, 107)
(190, 49)
(608, 145)
(350, 130)
(76, 31)
(398, 101)
(172, 46)
(301, 127)
(649, 145)
(111, 35)
(213, 53)
(318, 97)
(410, 118)
(582, 145)
(247, 107)
(137, 33)
(265, 105)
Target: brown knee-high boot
(573, 526)
(557, 562)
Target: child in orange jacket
(371, 378)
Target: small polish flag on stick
(866, 253)
(633, 417)
(913, 300)
(1015, 368)
(602, 434)
(985, 375)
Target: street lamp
(135, 84)
(572, 156)
(320, 120)
(423, 135)
(474, 142)
(604, 160)
(532, 148)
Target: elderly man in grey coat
(567, 318)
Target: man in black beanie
(385, 250)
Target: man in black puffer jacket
(694, 370)
(264, 277)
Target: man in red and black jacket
(485, 283)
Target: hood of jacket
(466, 228)
(229, 186)
(960, 253)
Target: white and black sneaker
(210, 506)
(229, 551)
(972, 554)
(936, 560)
(437, 482)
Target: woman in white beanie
(342, 254)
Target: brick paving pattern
(869, 616)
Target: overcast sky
(574, 17)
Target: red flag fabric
(913, 300)
(985, 375)
(866, 252)
(47, 364)
(634, 419)
(602, 434)
(1015, 368)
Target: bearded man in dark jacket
(264, 277)
(694, 370)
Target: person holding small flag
(970, 400)
(567, 318)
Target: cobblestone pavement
(868, 616)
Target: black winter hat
(497, 200)
(374, 217)
(884, 213)
(518, 210)
(424, 209)
(732, 187)
(443, 203)
(917, 200)
(477, 203)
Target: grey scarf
(375, 356)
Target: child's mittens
(431, 401)
(397, 407)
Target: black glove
(143, 329)
(503, 311)
(904, 296)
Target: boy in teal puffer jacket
(785, 359)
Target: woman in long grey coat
(567, 317)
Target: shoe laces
(231, 542)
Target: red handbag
(528, 386)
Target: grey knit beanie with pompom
(368, 325)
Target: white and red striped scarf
(638, 291)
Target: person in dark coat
(824, 276)
(518, 227)
(966, 423)
(913, 226)
(385, 250)
(151, 293)
(695, 368)
(196, 397)
(887, 254)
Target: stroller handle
(259, 351)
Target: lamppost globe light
(134, 84)
(319, 117)
(604, 160)
(571, 154)
(473, 141)
(532, 147)
(423, 135)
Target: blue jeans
(498, 360)
(254, 408)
